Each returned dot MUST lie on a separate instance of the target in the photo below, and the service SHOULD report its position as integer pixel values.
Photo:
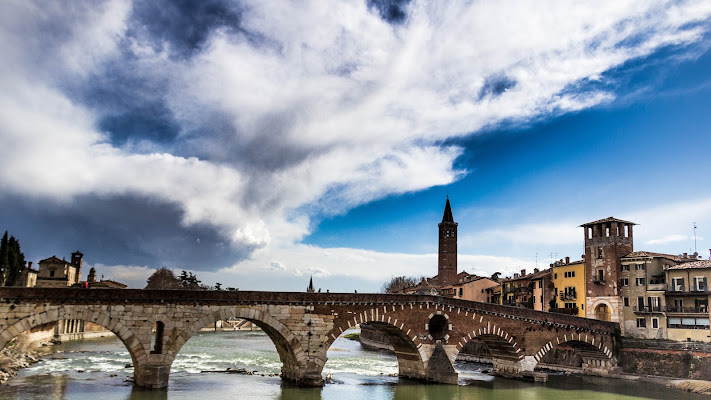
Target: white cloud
(365, 105)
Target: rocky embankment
(12, 360)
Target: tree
(495, 276)
(163, 278)
(218, 286)
(12, 261)
(398, 283)
(191, 282)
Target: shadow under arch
(585, 353)
(503, 348)
(125, 335)
(290, 351)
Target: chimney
(709, 254)
(686, 255)
(515, 274)
(523, 272)
(535, 270)
(567, 260)
(29, 265)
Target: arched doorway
(602, 312)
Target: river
(97, 369)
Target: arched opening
(100, 354)
(202, 348)
(382, 349)
(438, 327)
(573, 353)
(602, 312)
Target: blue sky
(259, 143)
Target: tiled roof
(608, 219)
(699, 264)
(636, 254)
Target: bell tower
(447, 264)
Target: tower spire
(447, 217)
(310, 289)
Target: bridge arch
(134, 346)
(506, 353)
(406, 344)
(290, 351)
(591, 348)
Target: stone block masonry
(427, 332)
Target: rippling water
(96, 369)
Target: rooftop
(608, 219)
(700, 264)
(637, 254)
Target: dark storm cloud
(116, 231)
(495, 85)
(184, 24)
(392, 11)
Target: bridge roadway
(427, 332)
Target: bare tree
(398, 283)
(163, 278)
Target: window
(625, 281)
(534, 299)
(460, 292)
(51, 274)
(626, 301)
(555, 276)
(570, 305)
(641, 323)
(599, 252)
(678, 284)
(700, 284)
(655, 323)
(600, 275)
(639, 267)
(639, 281)
(640, 303)
(626, 267)
(570, 274)
(540, 284)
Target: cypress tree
(4, 258)
(12, 261)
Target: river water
(96, 369)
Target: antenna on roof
(694, 237)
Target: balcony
(568, 296)
(688, 310)
(647, 309)
(598, 281)
(657, 286)
(677, 288)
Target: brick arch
(589, 345)
(127, 337)
(403, 337)
(288, 347)
(499, 342)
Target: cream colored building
(687, 301)
(54, 272)
(472, 288)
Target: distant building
(543, 290)
(54, 272)
(28, 276)
(569, 284)
(493, 294)
(447, 260)
(470, 287)
(642, 287)
(310, 288)
(606, 241)
(687, 298)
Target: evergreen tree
(12, 261)
(4, 258)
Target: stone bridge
(427, 332)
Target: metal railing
(688, 310)
(648, 309)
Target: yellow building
(569, 282)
